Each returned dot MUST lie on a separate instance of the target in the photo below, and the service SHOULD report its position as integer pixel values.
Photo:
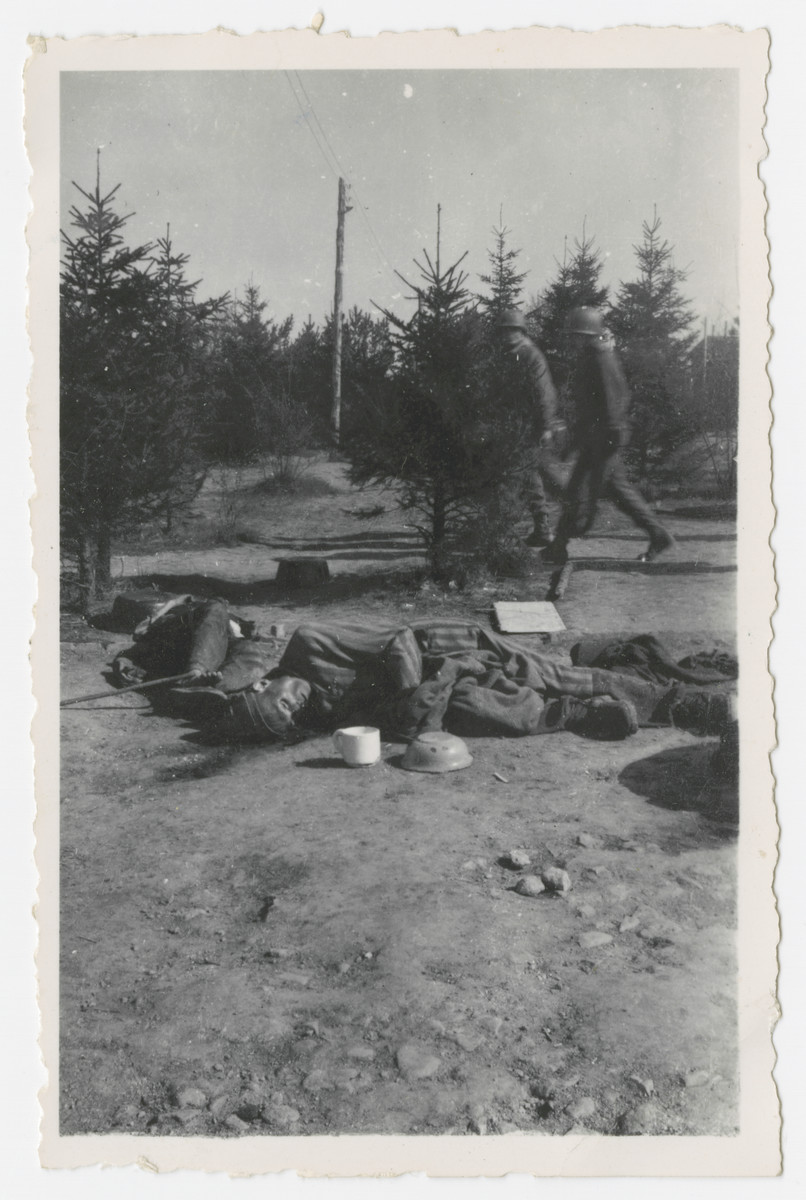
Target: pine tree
(176, 292)
(504, 281)
(180, 338)
(652, 321)
(367, 357)
(714, 364)
(576, 283)
(131, 342)
(428, 427)
(506, 287)
(254, 413)
(310, 364)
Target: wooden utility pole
(335, 411)
(439, 234)
(704, 353)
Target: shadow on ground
(353, 586)
(715, 510)
(381, 543)
(633, 566)
(618, 535)
(267, 591)
(685, 779)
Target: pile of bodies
(458, 677)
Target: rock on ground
(366, 1053)
(529, 885)
(417, 1061)
(280, 1114)
(594, 939)
(556, 880)
(695, 1079)
(643, 1119)
(582, 1108)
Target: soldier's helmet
(511, 318)
(585, 320)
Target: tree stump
(295, 573)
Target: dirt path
(265, 941)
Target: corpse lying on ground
(407, 680)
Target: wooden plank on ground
(527, 616)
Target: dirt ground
(268, 942)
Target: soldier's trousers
(599, 476)
(544, 477)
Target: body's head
(584, 327)
(511, 326)
(268, 709)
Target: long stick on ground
(559, 582)
(132, 687)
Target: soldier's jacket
(437, 675)
(526, 361)
(600, 396)
(192, 635)
(448, 675)
(432, 676)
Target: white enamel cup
(359, 746)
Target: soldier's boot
(556, 552)
(541, 534)
(601, 718)
(659, 543)
(725, 759)
(696, 710)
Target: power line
(319, 125)
(353, 189)
(340, 169)
(372, 232)
(310, 127)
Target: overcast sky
(231, 161)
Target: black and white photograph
(413, 704)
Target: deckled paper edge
(756, 1154)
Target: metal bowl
(436, 753)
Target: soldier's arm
(210, 641)
(616, 397)
(545, 392)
